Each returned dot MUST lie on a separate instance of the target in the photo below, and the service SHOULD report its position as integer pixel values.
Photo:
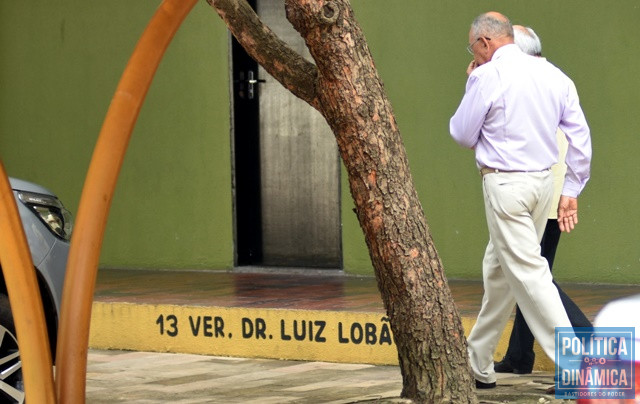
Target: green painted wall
(419, 48)
(61, 61)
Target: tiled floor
(147, 377)
(297, 289)
(150, 377)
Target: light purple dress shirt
(509, 114)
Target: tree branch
(293, 71)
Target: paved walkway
(146, 377)
(144, 313)
(312, 315)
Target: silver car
(47, 225)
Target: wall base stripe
(328, 336)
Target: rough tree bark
(344, 86)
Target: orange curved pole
(86, 242)
(24, 296)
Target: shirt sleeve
(465, 125)
(574, 124)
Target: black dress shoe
(504, 366)
(482, 385)
(522, 371)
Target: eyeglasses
(470, 47)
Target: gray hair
(488, 25)
(528, 41)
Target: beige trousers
(517, 207)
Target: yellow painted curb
(330, 336)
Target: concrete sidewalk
(326, 333)
(148, 377)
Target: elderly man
(520, 356)
(509, 114)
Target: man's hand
(471, 66)
(567, 213)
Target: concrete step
(296, 315)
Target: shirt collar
(505, 49)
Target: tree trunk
(344, 86)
